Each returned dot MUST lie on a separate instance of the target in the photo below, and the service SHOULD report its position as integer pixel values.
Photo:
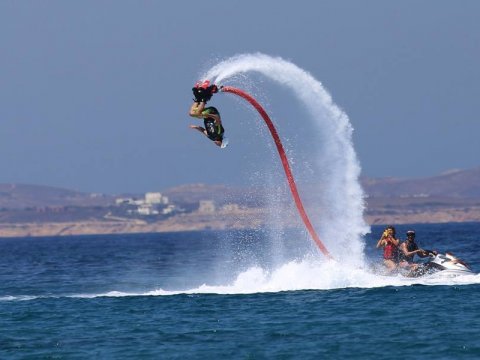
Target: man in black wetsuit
(211, 117)
(408, 249)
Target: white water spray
(340, 223)
(292, 276)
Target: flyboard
(224, 143)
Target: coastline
(238, 220)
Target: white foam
(303, 275)
(292, 276)
(22, 297)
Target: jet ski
(444, 264)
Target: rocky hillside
(20, 196)
(458, 184)
(455, 184)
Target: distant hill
(19, 196)
(454, 184)
(457, 184)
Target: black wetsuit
(214, 131)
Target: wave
(292, 276)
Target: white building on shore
(149, 205)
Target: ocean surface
(243, 294)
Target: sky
(94, 95)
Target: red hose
(286, 165)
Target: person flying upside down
(408, 249)
(211, 117)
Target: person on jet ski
(408, 249)
(211, 117)
(389, 243)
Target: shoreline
(240, 220)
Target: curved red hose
(286, 165)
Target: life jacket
(390, 252)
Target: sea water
(219, 295)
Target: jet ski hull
(442, 264)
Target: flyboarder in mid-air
(211, 117)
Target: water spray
(285, 163)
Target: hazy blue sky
(94, 94)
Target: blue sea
(232, 294)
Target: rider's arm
(394, 241)
(196, 110)
(382, 241)
(422, 253)
(405, 252)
